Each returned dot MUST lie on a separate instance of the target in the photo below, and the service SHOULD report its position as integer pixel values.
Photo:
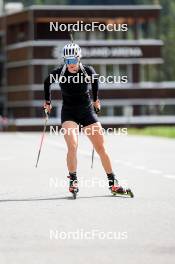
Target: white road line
(169, 176)
(154, 171)
(139, 167)
(63, 146)
(87, 153)
(127, 163)
(6, 158)
(130, 164)
(51, 142)
(117, 161)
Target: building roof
(98, 7)
(143, 8)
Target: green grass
(161, 131)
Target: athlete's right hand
(97, 106)
(47, 107)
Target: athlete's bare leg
(71, 138)
(94, 133)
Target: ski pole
(42, 137)
(71, 36)
(93, 150)
(92, 162)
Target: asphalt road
(41, 224)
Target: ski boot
(73, 185)
(116, 189)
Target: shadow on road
(59, 198)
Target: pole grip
(71, 36)
(46, 113)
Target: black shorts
(83, 116)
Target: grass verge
(160, 131)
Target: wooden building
(30, 51)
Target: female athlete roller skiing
(78, 109)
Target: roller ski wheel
(119, 190)
(73, 191)
(130, 193)
(73, 187)
(74, 195)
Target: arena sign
(105, 52)
(112, 52)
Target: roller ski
(116, 189)
(119, 190)
(73, 185)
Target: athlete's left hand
(97, 106)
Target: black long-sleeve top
(73, 94)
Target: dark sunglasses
(71, 61)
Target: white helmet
(71, 50)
